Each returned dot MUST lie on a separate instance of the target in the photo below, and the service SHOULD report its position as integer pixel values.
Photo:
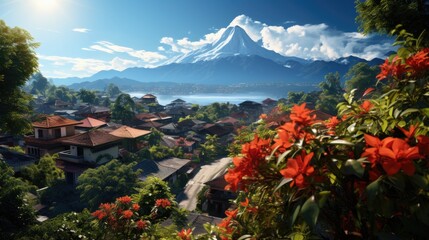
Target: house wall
(50, 133)
(92, 156)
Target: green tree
(360, 77)
(18, 62)
(154, 137)
(87, 96)
(331, 94)
(66, 226)
(44, 173)
(210, 148)
(382, 16)
(107, 182)
(15, 211)
(112, 90)
(123, 109)
(152, 188)
(62, 93)
(39, 85)
(294, 97)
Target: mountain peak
(234, 41)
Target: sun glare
(45, 4)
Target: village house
(97, 112)
(148, 99)
(218, 199)
(87, 150)
(167, 170)
(90, 123)
(253, 110)
(48, 134)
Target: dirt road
(188, 198)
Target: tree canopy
(15, 211)
(123, 109)
(18, 62)
(382, 16)
(107, 182)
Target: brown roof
(183, 142)
(145, 116)
(91, 139)
(148, 96)
(91, 123)
(55, 121)
(269, 101)
(129, 132)
(218, 183)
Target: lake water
(206, 99)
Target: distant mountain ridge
(234, 58)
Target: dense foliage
(16, 213)
(107, 182)
(363, 175)
(44, 173)
(18, 62)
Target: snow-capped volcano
(233, 42)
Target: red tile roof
(55, 121)
(129, 132)
(184, 143)
(149, 96)
(91, 139)
(91, 123)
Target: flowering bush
(126, 219)
(363, 175)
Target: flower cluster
(398, 68)
(185, 234)
(164, 203)
(121, 217)
(226, 226)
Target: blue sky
(82, 37)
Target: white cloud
(309, 41)
(101, 48)
(146, 56)
(161, 48)
(149, 57)
(83, 67)
(81, 30)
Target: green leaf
(353, 167)
(341, 142)
(247, 236)
(296, 236)
(384, 124)
(351, 128)
(425, 111)
(282, 157)
(408, 111)
(322, 197)
(283, 182)
(295, 214)
(372, 191)
(397, 181)
(420, 181)
(310, 211)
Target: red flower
(247, 206)
(164, 202)
(99, 214)
(136, 207)
(393, 154)
(263, 116)
(298, 168)
(395, 69)
(254, 154)
(368, 91)
(124, 200)
(301, 115)
(127, 214)
(366, 106)
(141, 224)
(185, 234)
(231, 213)
(418, 62)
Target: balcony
(69, 157)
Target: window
(57, 133)
(40, 133)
